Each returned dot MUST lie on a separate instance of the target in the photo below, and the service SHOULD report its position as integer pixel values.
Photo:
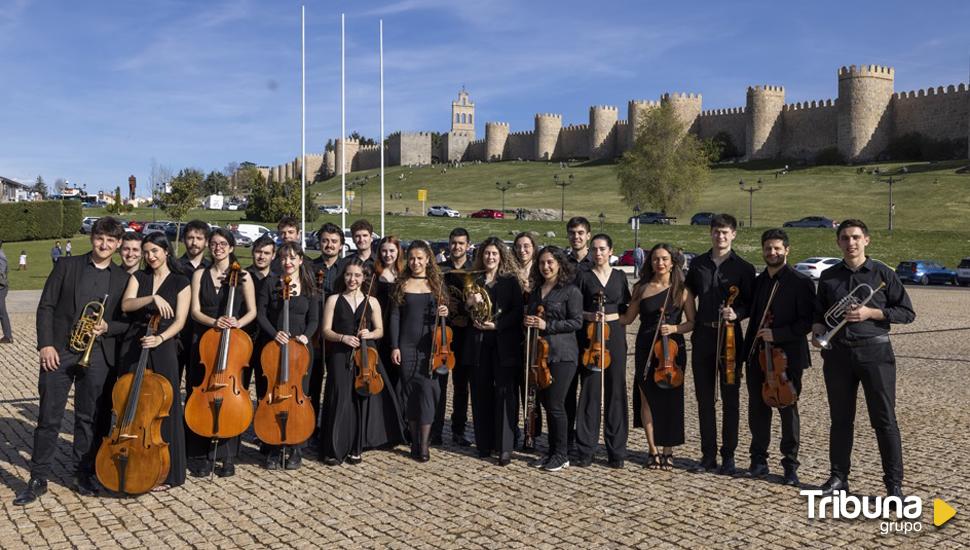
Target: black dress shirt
(710, 283)
(186, 267)
(792, 311)
(838, 280)
(563, 313)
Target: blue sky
(93, 91)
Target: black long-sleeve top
(564, 316)
(792, 310)
(710, 283)
(507, 307)
(838, 280)
(412, 322)
(304, 310)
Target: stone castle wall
(940, 113)
(730, 121)
(520, 145)
(808, 128)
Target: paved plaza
(460, 501)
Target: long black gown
(383, 292)
(666, 405)
(164, 361)
(352, 422)
(213, 303)
(411, 326)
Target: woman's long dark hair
(160, 240)
(566, 270)
(432, 273)
(676, 271)
(307, 281)
(506, 265)
(340, 286)
(229, 237)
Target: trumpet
(835, 316)
(82, 335)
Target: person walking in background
(56, 252)
(23, 261)
(4, 284)
(67, 248)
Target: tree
(329, 146)
(215, 183)
(246, 177)
(183, 195)
(361, 139)
(159, 178)
(666, 168)
(270, 201)
(40, 187)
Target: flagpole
(303, 127)
(343, 133)
(381, 142)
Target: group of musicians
(396, 299)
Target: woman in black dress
(493, 352)
(389, 266)
(660, 411)
(210, 298)
(603, 280)
(417, 301)
(524, 248)
(552, 288)
(304, 305)
(353, 422)
(160, 289)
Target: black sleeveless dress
(213, 303)
(164, 361)
(351, 422)
(666, 405)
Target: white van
(251, 230)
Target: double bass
(220, 407)
(777, 390)
(133, 458)
(367, 380)
(284, 416)
(726, 337)
(666, 374)
(537, 376)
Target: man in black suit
(74, 282)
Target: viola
(537, 376)
(727, 337)
(776, 390)
(666, 374)
(442, 358)
(596, 357)
(367, 380)
(285, 416)
(219, 406)
(133, 458)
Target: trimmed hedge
(30, 221)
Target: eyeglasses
(218, 244)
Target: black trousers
(759, 419)
(461, 380)
(554, 400)
(494, 404)
(874, 367)
(705, 372)
(315, 388)
(53, 387)
(616, 416)
(571, 404)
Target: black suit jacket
(792, 308)
(61, 305)
(507, 307)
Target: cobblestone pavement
(458, 500)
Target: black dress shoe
(615, 463)
(758, 470)
(894, 490)
(274, 459)
(727, 467)
(35, 488)
(705, 466)
(791, 477)
(505, 459)
(228, 469)
(294, 461)
(354, 459)
(201, 468)
(424, 457)
(6, 340)
(331, 461)
(584, 462)
(834, 485)
(83, 485)
(461, 440)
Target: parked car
(153, 227)
(701, 218)
(443, 211)
(251, 230)
(86, 224)
(137, 226)
(242, 240)
(655, 218)
(174, 230)
(813, 267)
(925, 272)
(488, 213)
(963, 272)
(332, 209)
(813, 221)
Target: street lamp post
(562, 183)
(503, 187)
(892, 205)
(751, 190)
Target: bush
(30, 221)
(268, 202)
(916, 146)
(829, 156)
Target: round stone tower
(864, 117)
(496, 134)
(687, 108)
(548, 126)
(602, 138)
(635, 111)
(763, 126)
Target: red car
(488, 213)
(136, 226)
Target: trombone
(82, 335)
(835, 316)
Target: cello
(367, 381)
(537, 376)
(219, 406)
(284, 416)
(133, 458)
(777, 390)
(666, 374)
(726, 336)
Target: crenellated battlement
(522, 133)
(348, 141)
(680, 96)
(766, 89)
(644, 103)
(575, 128)
(723, 112)
(505, 124)
(872, 71)
(549, 115)
(603, 108)
(805, 105)
(416, 134)
(939, 90)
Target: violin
(367, 380)
(777, 390)
(284, 416)
(133, 458)
(597, 357)
(666, 374)
(727, 337)
(537, 376)
(219, 406)
(442, 358)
